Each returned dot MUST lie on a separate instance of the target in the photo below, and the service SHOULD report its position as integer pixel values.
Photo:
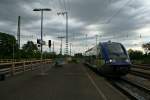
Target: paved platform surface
(70, 82)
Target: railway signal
(42, 10)
(38, 41)
(49, 43)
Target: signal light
(38, 41)
(49, 43)
(38, 45)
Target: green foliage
(48, 55)
(78, 55)
(7, 46)
(146, 47)
(138, 57)
(30, 47)
(135, 54)
(30, 50)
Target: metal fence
(12, 68)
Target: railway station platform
(69, 82)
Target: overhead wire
(116, 13)
(66, 6)
(69, 5)
(61, 4)
(67, 2)
(124, 37)
(64, 3)
(54, 4)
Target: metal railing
(13, 68)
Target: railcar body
(109, 58)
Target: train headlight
(127, 60)
(112, 60)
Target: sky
(124, 21)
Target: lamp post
(65, 13)
(41, 42)
(42, 10)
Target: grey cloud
(104, 13)
(98, 11)
(90, 11)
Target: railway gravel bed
(140, 72)
(130, 86)
(141, 67)
(140, 81)
(133, 91)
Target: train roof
(109, 42)
(102, 43)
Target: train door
(100, 59)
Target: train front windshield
(116, 51)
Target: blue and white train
(109, 58)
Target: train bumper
(115, 70)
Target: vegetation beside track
(138, 57)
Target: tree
(146, 47)
(130, 51)
(30, 46)
(30, 50)
(78, 55)
(49, 55)
(8, 45)
(135, 54)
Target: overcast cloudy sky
(125, 21)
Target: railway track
(148, 65)
(142, 71)
(141, 74)
(142, 67)
(132, 90)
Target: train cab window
(116, 51)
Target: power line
(64, 3)
(53, 4)
(69, 6)
(60, 3)
(106, 37)
(115, 14)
